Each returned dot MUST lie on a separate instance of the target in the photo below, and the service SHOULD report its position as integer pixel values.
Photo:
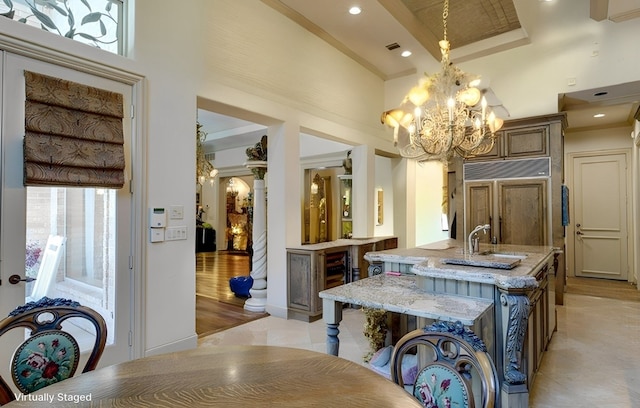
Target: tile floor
(593, 358)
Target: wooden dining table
(226, 376)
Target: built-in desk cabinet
(316, 267)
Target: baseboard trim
(277, 311)
(180, 345)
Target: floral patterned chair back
(454, 368)
(49, 354)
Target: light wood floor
(217, 308)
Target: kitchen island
(514, 279)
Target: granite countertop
(427, 261)
(339, 242)
(401, 294)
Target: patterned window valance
(73, 134)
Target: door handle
(579, 233)
(14, 279)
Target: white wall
(597, 140)
(428, 202)
(384, 180)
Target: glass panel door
(76, 241)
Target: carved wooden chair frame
(456, 353)
(44, 318)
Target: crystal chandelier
(204, 169)
(445, 115)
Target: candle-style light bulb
(484, 107)
(450, 104)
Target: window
(94, 22)
(86, 217)
(84, 268)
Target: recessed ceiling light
(355, 10)
(599, 115)
(406, 53)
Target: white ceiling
(382, 22)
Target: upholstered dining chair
(454, 368)
(49, 354)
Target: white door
(600, 220)
(75, 241)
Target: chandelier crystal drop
(445, 115)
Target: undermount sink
(488, 259)
(514, 255)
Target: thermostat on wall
(157, 218)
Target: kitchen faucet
(473, 237)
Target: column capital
(257, 167)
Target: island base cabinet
(538, 306)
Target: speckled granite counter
(426, 261)
(401, 294)
(339, 242)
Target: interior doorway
(217, 308)
(600, 213)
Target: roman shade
(73, 134)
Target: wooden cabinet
(541, 323)
(515, 209)
(479, 207)
(314, 268)
(519, 141)
(522, 212)
(309, 273)
(527, 141)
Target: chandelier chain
(445, 16)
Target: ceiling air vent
(393, 46)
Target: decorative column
(258, 164)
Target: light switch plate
(175, 233)
(176, 212)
